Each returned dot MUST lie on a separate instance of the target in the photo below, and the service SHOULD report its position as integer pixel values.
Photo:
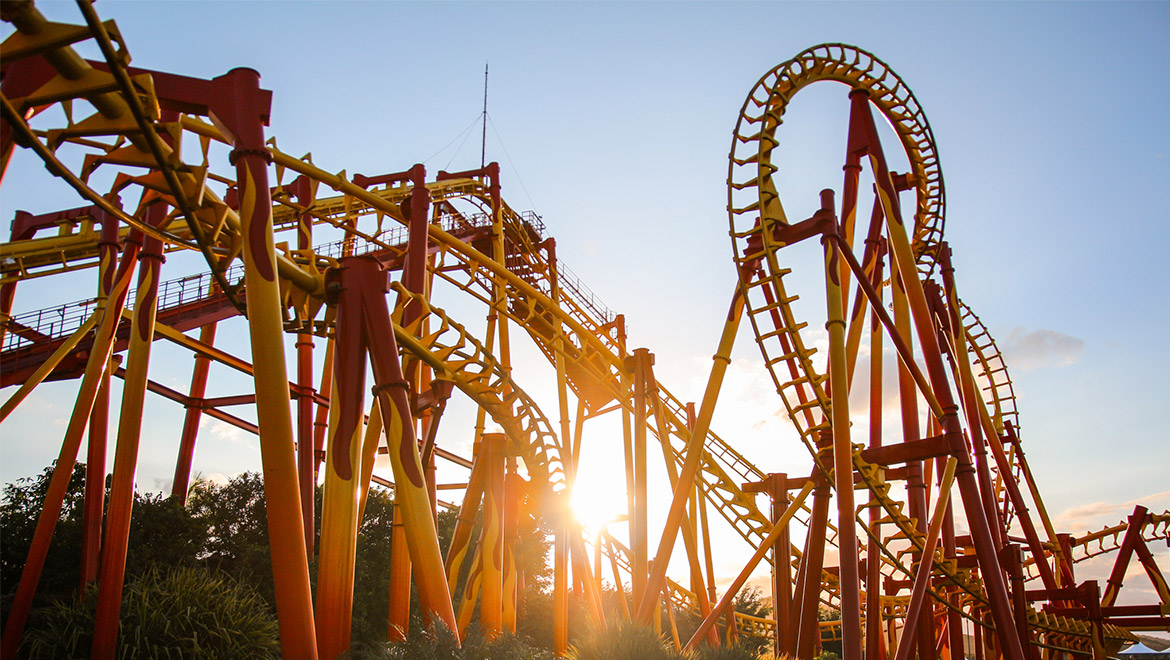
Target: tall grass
(174, 613)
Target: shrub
(724, 653)
(622, 641)
(440, 644)
(166, 613)
(504, 647)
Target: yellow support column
(514, 486)
(286, 530)
(842, 446)
(343, 473)
(491, 541)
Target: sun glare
(597, 503)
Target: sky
(613, 121)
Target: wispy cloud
(1098, 514)
(1025, 350)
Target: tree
(829, 650)
(161, 532)
(19, 511)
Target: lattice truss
(904, 402)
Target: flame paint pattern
(258, 220)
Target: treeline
(209, 559)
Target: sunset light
(540, 330)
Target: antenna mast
(483, 147)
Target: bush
(168, 613)
(504, 647)
(724, 653)
(440, 644)
(622, 641)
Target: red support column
(391, 390)
(321, 421)
(95, 463)
(1133, 535)
(113, 562)
(302, 190)
(781, 559)
(95, 367)
(947, 412)
(908, 402)
(950, 551)
(808, 631)
(1014, 558)
(306, 461)
(182, 479)
(95, 485)
(874, 646)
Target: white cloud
(226, 432)
(1093, 516)
(1025, 350)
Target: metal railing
(26, 329)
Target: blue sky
(613, 121)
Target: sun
(597, 502)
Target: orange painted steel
(114, 546)
(457, 243)
(491, 547)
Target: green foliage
(237, 529)
(224, 529)
(161, 532)
(19, 510)
(752, 601)
(166, 613)
(535, 616)
(532, 550)
(749, 601)
(826, 613)
(829, 650)
(371, 594)
(723, 653)
(504, 647)
(622, 641)
(440, 644)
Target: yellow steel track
(128, 136)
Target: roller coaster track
(757, 219)
(1108, 539)
(685, 600)
(142, 117)
(578, 309)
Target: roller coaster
(904, 402)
